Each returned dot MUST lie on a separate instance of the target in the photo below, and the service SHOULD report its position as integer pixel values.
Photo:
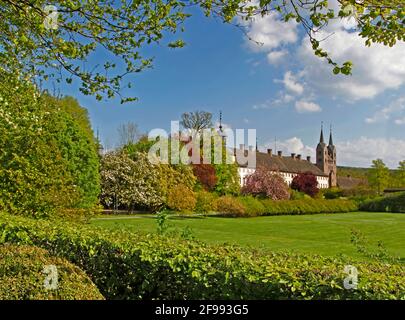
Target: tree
(378, 176)
(128, 133)
(264, 183)
(305, 182)
(400, 174)
(44, 41)
(197, 121)
(48, 158)
(205, 174)
(130, 182)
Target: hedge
(22, 277)
(140, 266)
(308, 206)
(394, 203)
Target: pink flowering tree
(264, 183)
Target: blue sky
(278, 88)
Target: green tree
(378, 176)
(400, 175)
(34, 43)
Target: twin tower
(326, 158)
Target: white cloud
(292, 145)
(291, 83)
(400, 121)
(376, 68)
(270, 32)
(275, 57)
(360, 152)
(395, 109)
(306, 106)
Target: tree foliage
(47, 158)
(305, 182)
(378, 176)
(205, 174)
(56, 42)
(197, 121)
(264, 183)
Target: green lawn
(327, 234)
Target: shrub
(332, 193)
(181, 198)
(393, 203)
(205, 174)
(253, 206)
(305, 182)
(22, 277)
(264, 183)
(227, 179)
(297, 195)
(206, 202)
(308, 206)
(136, 266)
(230, 206)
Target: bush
(297, 195)
(332, 193)
(305, 182)
(230, 206)
(22, 277)
(181, 198)
(206, 202)
(264, 183)
(308, 206)
(253, 206)
(205, 174)
(393, 203)
(136, 266)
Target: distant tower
(221, 132)
(326, 158)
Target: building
(289, 166)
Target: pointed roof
(321, 139)
(330, 137)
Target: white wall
(323, 182)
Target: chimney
(279, 153)
(299, 157)
(309, 158)
(270, 152)
(293, 155)
(242, 146)
(250, 148)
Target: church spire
(220, 121)
(330, 137)
(321, 139)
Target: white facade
(323, 182)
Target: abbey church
(288, 167)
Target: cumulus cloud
(306, 106)
(291, 83)
(376, 68)
(360, 152)
(275, 57)
(395, 109)
(292, 145)
(270, 32)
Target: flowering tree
(130, 183)
(265, 183)
(305, 182)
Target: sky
(278, 88)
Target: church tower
(326, 158)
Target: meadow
(325, 234)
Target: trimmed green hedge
(22, 277)
(249, 206)
(136, 266)
(308, 206)
(394, 203)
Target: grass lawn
(326, 234)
